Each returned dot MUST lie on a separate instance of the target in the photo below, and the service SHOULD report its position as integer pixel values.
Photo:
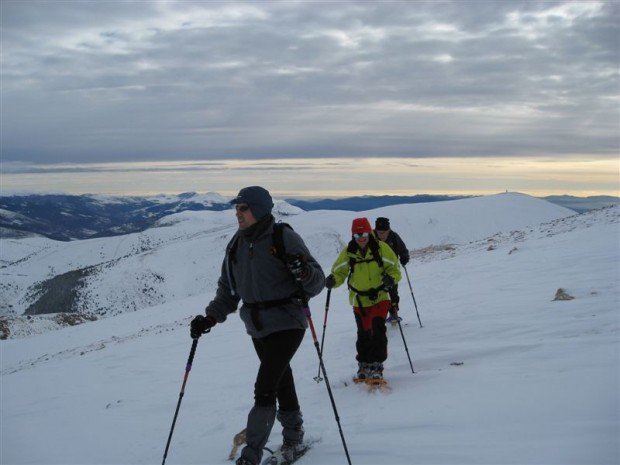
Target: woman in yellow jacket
(370, 268)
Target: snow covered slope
(182, 257)
(504, 375)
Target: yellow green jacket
(367, 273)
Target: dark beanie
(258, 199)
(382, 224)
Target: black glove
(201, 325)
(404, 260)
(297, 266)
(330, 281)
(394, 310)
(388, 281)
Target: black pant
(275, 377)
(371, 345)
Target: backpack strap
(374, 250)
(375, 253)
(231, 251)
(373, 245)
(278, 249)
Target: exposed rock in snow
(561, 294)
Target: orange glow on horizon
(328, 177)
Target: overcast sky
(87, 81)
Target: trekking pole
(304, 300)
(405, 342)
(411, 289)
(188, 367)
(318, 378)
(322, 367)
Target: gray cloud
(108, 81)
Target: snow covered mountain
(71, 217)
(68, 217)
(181, 255)
(369, 202)
(504, 374)
(583, 204)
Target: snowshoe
(393, 319)
(243, 461)
(288, 453)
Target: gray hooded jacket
(257, 275)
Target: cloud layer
(322, 176)
(110, 81)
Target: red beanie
(360, 225)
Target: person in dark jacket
(385, 234)
(272, 312)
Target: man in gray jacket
(269, 286)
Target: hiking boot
(291, 450)
(363, 370)
(243, 461)
(393, 316)
(376, 370)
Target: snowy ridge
(607, 215)
(503, 374)
(181, 256)
(71, 217)
(209, 198)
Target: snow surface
(504, 375)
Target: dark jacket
(255, 274)
(398, 246)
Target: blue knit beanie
(258, 199)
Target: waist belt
(268, 303)
(255, 307)
(372, 293)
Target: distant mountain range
(583, 204)
(369, 202)
(70, 217)
(363, 203)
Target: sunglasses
(360, 235)
(242, 208)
